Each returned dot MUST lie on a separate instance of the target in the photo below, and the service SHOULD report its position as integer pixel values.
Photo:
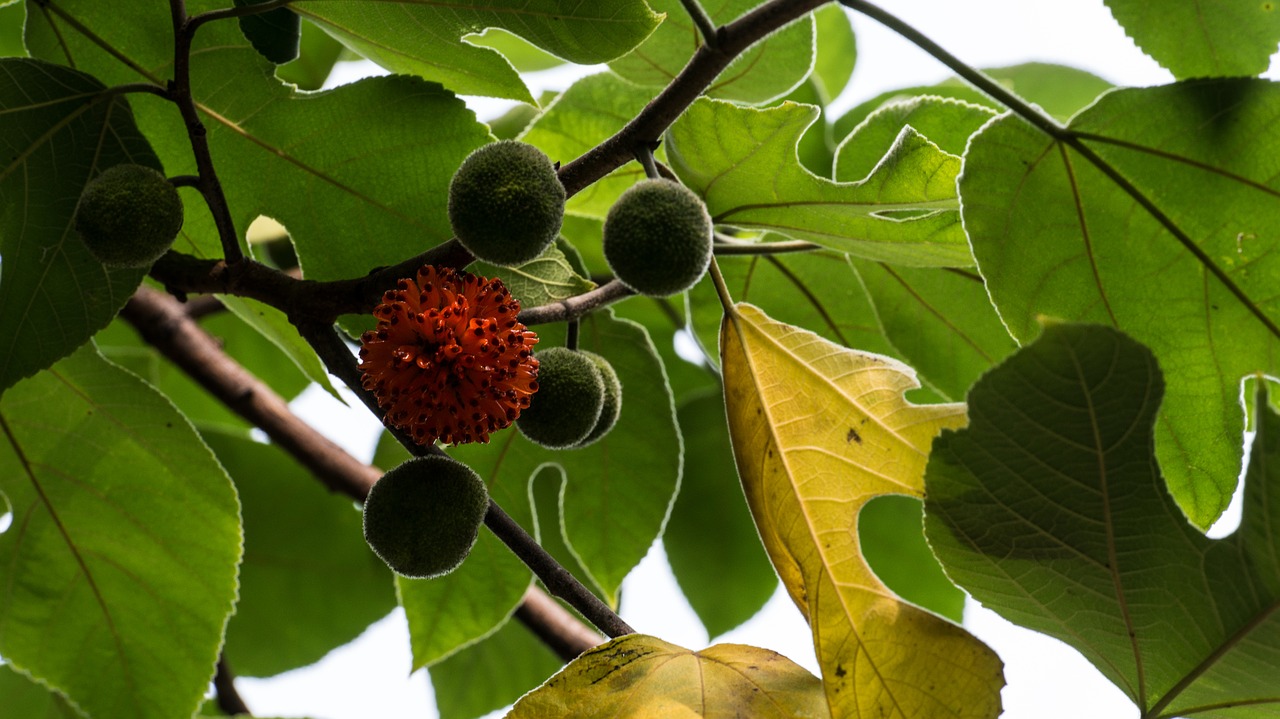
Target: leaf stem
(722, 289)
(180, 91)
(236, 12)
(702, 20)
(763, 248)
(644, 153)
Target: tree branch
(224, 687)
(163, 323)
(703, 68)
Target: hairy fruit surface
(506, 203)
(448, 360)
(129, 216)
(657, 238)
(422, 517)
(612, 406)
(570, 398)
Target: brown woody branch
(164, 324)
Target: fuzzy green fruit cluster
(422, 517)
(506, 203)
(578, 400)
(657, 238)
(129, 216)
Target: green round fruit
(567, 404)
(129, 216)
(612, 406)
(506, 203)
(422, 517)
(657, 238)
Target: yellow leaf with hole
(818, 431)
(642, 677)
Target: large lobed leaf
(638, 676)
(425, 37)
(1175, 244)
(743, 163)
(1050, 509)
(59, 129)
(818, 431)
(120, 565)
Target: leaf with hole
(1050, 509)
(818, 431)
(1158, 214)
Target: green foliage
(1237, 37)
(124, 573)
(1049, 506)
(938, 226)
(128, 216)
(506, 203)
(58, 129)
(657, 238)
(422, 517)
(567, 405)
(1114, 228)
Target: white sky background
(1046, 679)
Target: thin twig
(236, 12)
(644, 153)
(180, 91)
(577, 306)
(706, 27)
(224, 687)
(558, 629)
(164, 324)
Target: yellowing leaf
(818, 431)
(638, 676)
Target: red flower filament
(448, 360)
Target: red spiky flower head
(449, 360)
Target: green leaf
(662, 319)
(309, 583)
(548, 278)
(591, 110)
(642, 676)
(523, 55)
(711, 542)
(1181, 256)
(275, 33)
(511, 660)
(12, 19)
(391, 34)
(1229, 37)
(22, 697)
(59, 129)
(121, 561)
(317, 55)
(946, 123)
(939, 321)
(767, 70)
(743, 163)
(1050, 510)
(274, 325)
(837, 51)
